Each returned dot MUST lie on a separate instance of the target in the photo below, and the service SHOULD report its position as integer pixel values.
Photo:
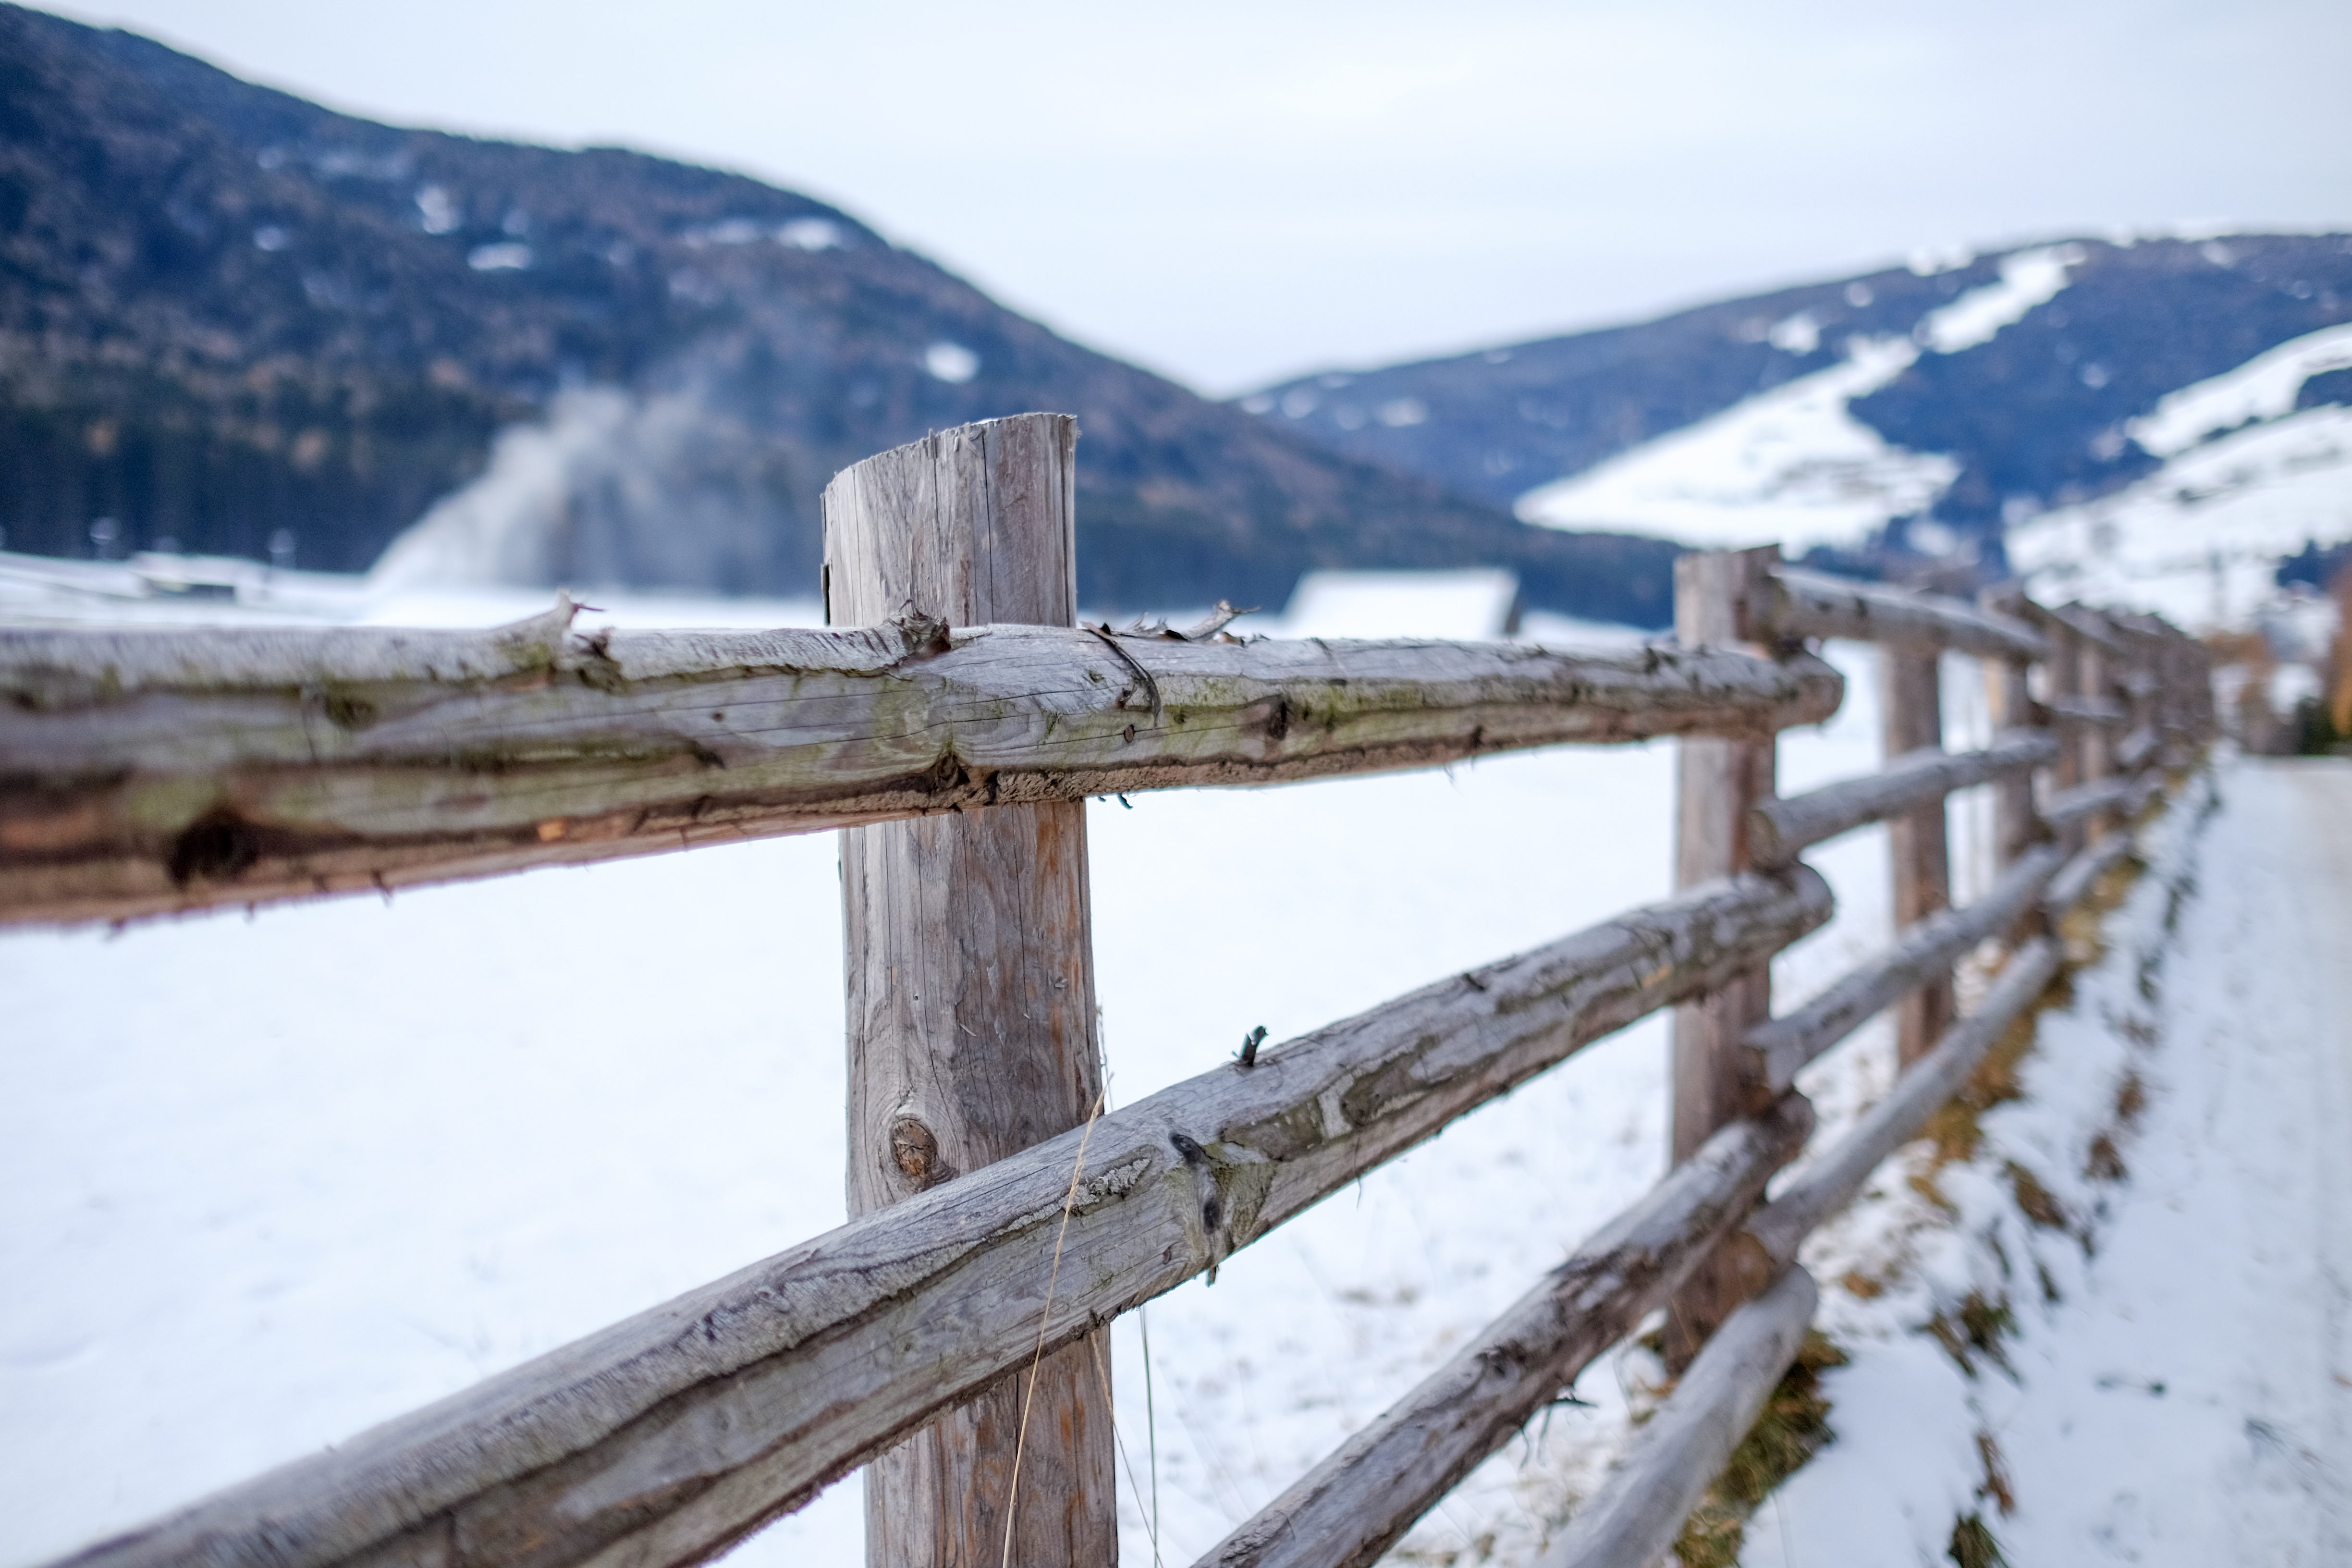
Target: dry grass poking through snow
(1973, 1330)
(1794, 1425)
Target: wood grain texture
(1918, 851)
(670, 1435)
(970, 987)
(1799, 603)
(150, 773)
(1779, 1047)
(1780, 830)
(1717, 782)
(1351, 1509)
(1633, 1520)
(973, 526)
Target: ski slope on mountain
(1791, 465)
(2248, 477)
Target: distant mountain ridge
(2025, 411)
(230, 318)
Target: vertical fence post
(970, 985)
(2010, 705)
(2098, 742)
(1716, 781)
(1911, 718)
(2144, 676)
(2064, 676)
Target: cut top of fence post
(971, 526)
(1718, 595)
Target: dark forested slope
(227, 314)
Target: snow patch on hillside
(2265, 387)
(2028, 278)
(2198, 539)
(1789, 466)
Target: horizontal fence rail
(2070, 808)
(1351, 1509)
(1687, 1442)
(672, 1435)
(1778, 830)
(1779, 1047)
(1641, 1504)
(152, 772)
(2092, 627)
(2072, 884)
(2088, 712)
(1799, 603)
(1830, 1181)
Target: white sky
(1231, 192)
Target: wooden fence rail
(1778, 830)
(146, 773)
(1779, 1046)
(676, 1432)
(152, 772)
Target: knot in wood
(217, 847)
(915, 1150)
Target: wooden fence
(948, 1337)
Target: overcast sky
(1230, 193)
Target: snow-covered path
(2178, 1390)
(2201, 1398)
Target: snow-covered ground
(273, 1179)
(2174, 1385)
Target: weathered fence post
(2063, 676)
(970, 985)
(2097, 687)
(1911, 719)
(1717, 779)
(2011, 706)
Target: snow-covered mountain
(2256, 465)
(2105, 409)
(237, 323)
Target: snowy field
(271, 1180)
